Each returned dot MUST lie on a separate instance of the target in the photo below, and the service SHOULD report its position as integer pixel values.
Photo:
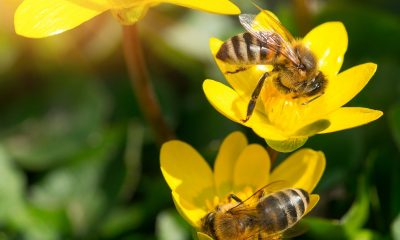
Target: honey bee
(267, 42)
(264, 215)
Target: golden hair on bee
(267, 42)
(264, 215)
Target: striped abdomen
(245, 49)
(281, 210)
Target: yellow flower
(42, 18)
(239, 168)
(286, 123)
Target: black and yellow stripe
(283, 209)
(245, 49)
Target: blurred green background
(78, 160)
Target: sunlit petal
(252, 168)
(328, 42)
(228, 103)
(192, 213)
(303, 169)
(187, 173)
(42, 18)
(342, 89)
(314, 198)
(224, 165)
(349, 117)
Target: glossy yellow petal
(186, 173)
(226, 101)
(42, 18)
(288, 145)
(213, 6)
(252, 168)
(328, 42)
(302, 169)
(349, 117)
(224, 165)
(129, 16)
(203, 236)
(314, 198)
(342, 89)
(190, 212)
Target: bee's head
(207, 223)
(308, 63)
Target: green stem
(142, 86)
(273, 154)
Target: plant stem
(273, 154)
(302, 13)
(142, 86)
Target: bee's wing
(261, 234)
(263, 191)
(268, 30)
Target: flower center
(282, 110)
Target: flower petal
(328, 42)
(224, 165)
(42, 18)
(342, 89)
(228, 103)
(252, 168)
(349, 117)
(314, 198)
(186, 173)
(302, 169)
(190, 212)
(203, 236)
(287, 145)
(129, 16)
(213, 6)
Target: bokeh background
(79, 161)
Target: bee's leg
(234, 197)
(254, 96)
(312, 99)
(240, 69)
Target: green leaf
(396, 228)
(394, 123)
(169, 225)
(69, 124)
(76, 187)
(319, 228)
(121, 220)
(357, 215)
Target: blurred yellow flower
(42, 18)
(286, 123)
(239, 168)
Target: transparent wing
(252, 201)
(266, 28)
(261, 234)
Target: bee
(267, 42)
(264, 215)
